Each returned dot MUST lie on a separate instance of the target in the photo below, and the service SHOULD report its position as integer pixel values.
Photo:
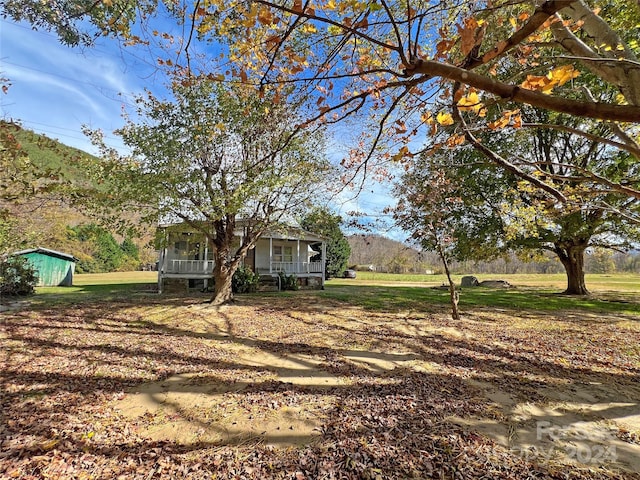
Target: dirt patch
(191, 408)
(581, 429)
(282, 398)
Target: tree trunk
(222, 277)
(225, 263)
(572, 258)
(453, 294)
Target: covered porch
(186, 255)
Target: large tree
(212, 157)
(417, 67)
(498, 211)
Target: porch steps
(268, 283)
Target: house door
(250, 259)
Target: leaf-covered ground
(304, 386)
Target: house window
(180, 247)
(282, 253)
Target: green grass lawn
(610, 293)
(395, 298)
(102, 285)
(382, 291)
(595, 282)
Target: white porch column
(298, 269)
(324, 262)
(270, 254)
(206, 262)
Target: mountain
(386, 255)
(49, 153)
(37, 188)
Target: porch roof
(280, 232)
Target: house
(186, 260)
(54, 268)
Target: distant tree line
(386, 255)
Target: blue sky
(55, 90)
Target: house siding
(262, 255)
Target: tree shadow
(66, 368)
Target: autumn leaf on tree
(444, 119)
(507, 117)
(470, 35)
(472, 103)
(555, 78)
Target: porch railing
(205, 267)
(297, 267)
(202, 267)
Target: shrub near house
(17, 277)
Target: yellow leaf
(561, 75)
(499, 124)
(548, 88)
(444, 119)
(331, 5)
(535, 82)
(471, 102)
(309, 28)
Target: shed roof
(49, 252)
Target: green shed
(54, 268)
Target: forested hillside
(40, 177)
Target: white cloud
(56, 90)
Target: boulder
(469, 281)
